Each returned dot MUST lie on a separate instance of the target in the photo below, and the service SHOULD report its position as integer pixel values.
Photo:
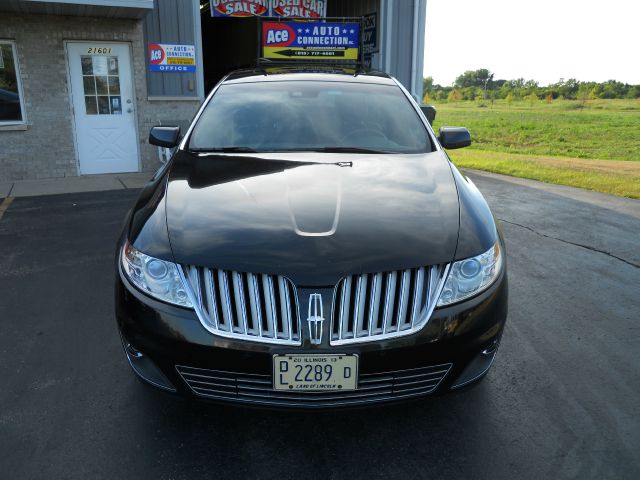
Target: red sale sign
(245, 8)
(299, 8)
(270, 8)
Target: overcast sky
(544, 40)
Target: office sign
(370, 33)
(310, 41)
(245, 8)
(172, 58)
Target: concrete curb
(628, 206)
(58, 186)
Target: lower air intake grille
(382, 305)
(246, 306)
(257, 389)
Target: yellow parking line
(4, 206)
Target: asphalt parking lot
(560, 402)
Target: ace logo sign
(279, 35)
(156, 54)
(172, 58)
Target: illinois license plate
(315, 373)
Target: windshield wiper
(226, 150)
(302, 149)
(345, 150)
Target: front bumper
(168, 347)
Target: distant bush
(455, 95)
(509, 98)
(480, 84)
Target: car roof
(322, 73)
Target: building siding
(402, 41)
(172, 22)
(395, 36)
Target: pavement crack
(587, 247)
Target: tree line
(481, 85)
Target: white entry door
(103, 106)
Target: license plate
(315, 373)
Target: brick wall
(46, 148)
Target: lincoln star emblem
(315, 318)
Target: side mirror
(454, 137)
(429, 112)
(167, 137)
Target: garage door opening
(227, 44)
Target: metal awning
(84, 8)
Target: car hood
(312, 217)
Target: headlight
(471, 276)
(155, 277)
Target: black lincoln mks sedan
(310, 244)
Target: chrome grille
(246, 306)
(370, 307)
(258, 389)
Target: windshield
(307, 115)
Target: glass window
(101, 85)
(11, 101)
(309, 115)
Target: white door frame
(70, 94)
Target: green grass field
(595, 145)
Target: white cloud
(542, 40)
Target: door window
(101, 82)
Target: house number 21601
(98, 51)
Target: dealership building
(83, 81)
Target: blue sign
(172, 68)
(370, 34)
(310, 40)
(172, 58)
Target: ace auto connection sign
(172, 58)
(269, 8)
(310, 41)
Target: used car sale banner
(269, 8)
(245, 8)
(310, 40)
(299, 8)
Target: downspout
(414, 52)
(197, 40)
(389, 32)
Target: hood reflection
(206, 170)
(312, 220)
